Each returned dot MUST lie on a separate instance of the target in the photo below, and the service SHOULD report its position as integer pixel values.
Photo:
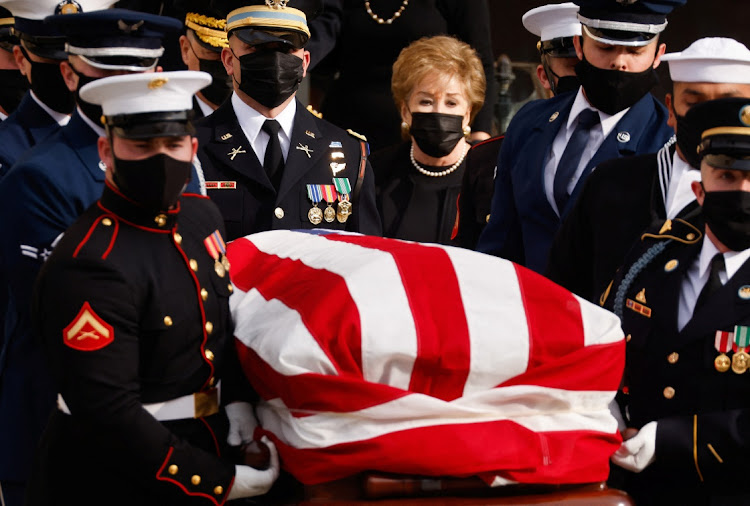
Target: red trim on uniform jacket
(187, 492)
(91, 231)
(213, 435)
(140, 227)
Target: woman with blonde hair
(438, 86)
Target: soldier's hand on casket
(242, 423)
(638, 452)
(249, 482)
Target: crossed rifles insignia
(235, 152)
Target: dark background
(695, 20)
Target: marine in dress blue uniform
(133, 310)
(42, 195)
(525, 216)
(252, 197)
(683, 296)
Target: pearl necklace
(382, 21)
(442, 173)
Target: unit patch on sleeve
(87, 331)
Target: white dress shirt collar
(251, 121)
(680, 193)
(203, 106)
(733, 260)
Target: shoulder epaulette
(315, 113)
(358, 136)
(678, 230)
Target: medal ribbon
(742, 336)
(343, 187)
(314, 193)
(215, 245)
(329, 193)
(723, 341)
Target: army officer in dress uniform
(133, 309)
(269, 163)
(683, 296)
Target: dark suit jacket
(28, 125)
(704, 407)
(522, 221)
(254, 205)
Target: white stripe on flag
(374, 282)
(598, 326)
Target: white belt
(197, 405)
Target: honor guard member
(624, 196)
(43, 194)
(551, 146)
(205, 37)
(49, 103)
(133, 310)
(556, 25)
(13, 84)
(683, 296)
(270, 163)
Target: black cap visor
(726, 151)
(149, 125)
(52, 48)
(561, 47)
(255, 37)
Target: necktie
(571, 157)
(713, 283)
(273, 163)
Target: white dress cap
(553, 21)
(40, 9)
(146, 92)
(711, 60)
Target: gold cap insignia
(68, 7)
(157, 83)
(277, 4)
(641, 296)
(126, 28)
(745, 115)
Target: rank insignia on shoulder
(88, 331)
(638, 308)
(358, 136)
(315, 113)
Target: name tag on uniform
(221, 185)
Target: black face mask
(436, 134)
(155, 182)
(688, 139)
(13, 86)
(270, 77)
(565, 84)
(728, 215)
(48, 85)
(221, 84)
(92, 111)
(611, 91)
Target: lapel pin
(554, 116)
(623, 137)
(305, 148)
(309, 134)
(235, 152)
(102, 165)
(226, 136)
(744, 292)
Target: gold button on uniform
(673, 358)
(160, 220)
(209, 327)
(690, 236)
(279, 212)
(177, 238)
(107, 222)
(219, 490)
(168, 321)
(668, 393)
(230, 288)
(204, 294)
(210, 355)
(195, 480)
(194, 265)
(173, 469)
(628, 338)
(212, 381)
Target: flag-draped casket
(378, 354)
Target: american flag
(385, 355)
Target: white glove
(614, 408)
(249, 482)
(638, 452)
(242, 423)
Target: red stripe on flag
(461, 450)
(443, 347)
(549, 337)
(306, 290)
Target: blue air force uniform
(522, 221)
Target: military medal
(345, 206)
(217, 249)
(741, 360)
(315, 214)
(329, 194)
(723, 343)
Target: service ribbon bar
(723, 341)
(742, 336)
(329, 193)
(314, 193)
(342, 185)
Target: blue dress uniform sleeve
(100, 383)
(502, 235)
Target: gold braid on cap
(205, 28)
